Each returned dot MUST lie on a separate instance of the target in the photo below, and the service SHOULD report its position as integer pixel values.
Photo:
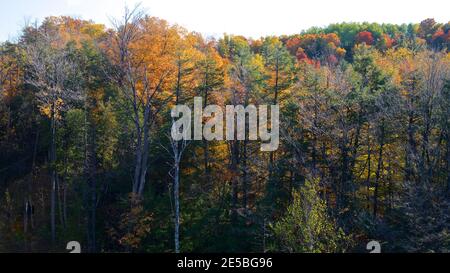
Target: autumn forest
(86, 153)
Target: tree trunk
(60, 203)
(378, 172)
(176, 193)
(144, 160)
(275, 101)
(28, 214)
(410, 150)
(448, 162)
(235, 178)
(369, 165)
(205, 142)
(244, 175)
(53, 175)
(90, 173)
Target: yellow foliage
(133, 227)
(46, 109)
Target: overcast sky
(253, 18)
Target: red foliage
(310, 48)
(292, 45)
(332, 59)
(301, 56)
(365, 37)
(440, 38)
(438, 34)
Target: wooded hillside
(86, 153)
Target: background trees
(85, 153)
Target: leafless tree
(50, 72)
(177, 150)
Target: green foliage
(364, 121)
(307, 226)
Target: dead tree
(50, 70)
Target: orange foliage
(340, 52)
(323, 46)
(388, 41)
(292, 45)
(332, 38)
(153, 56)
(76, 30)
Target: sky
(251, 18)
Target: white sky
(252, 18)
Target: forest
(86, 153)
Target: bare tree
(140, 85)
(50, 69)
(177, 150)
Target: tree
(365, 37)
(421, 220)
(187, 56)
(143, 53)
(364, 139)
(51, 70)
(210, 68)
(247, 80)
(306, 226)
(281, 75)
(426, 29)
